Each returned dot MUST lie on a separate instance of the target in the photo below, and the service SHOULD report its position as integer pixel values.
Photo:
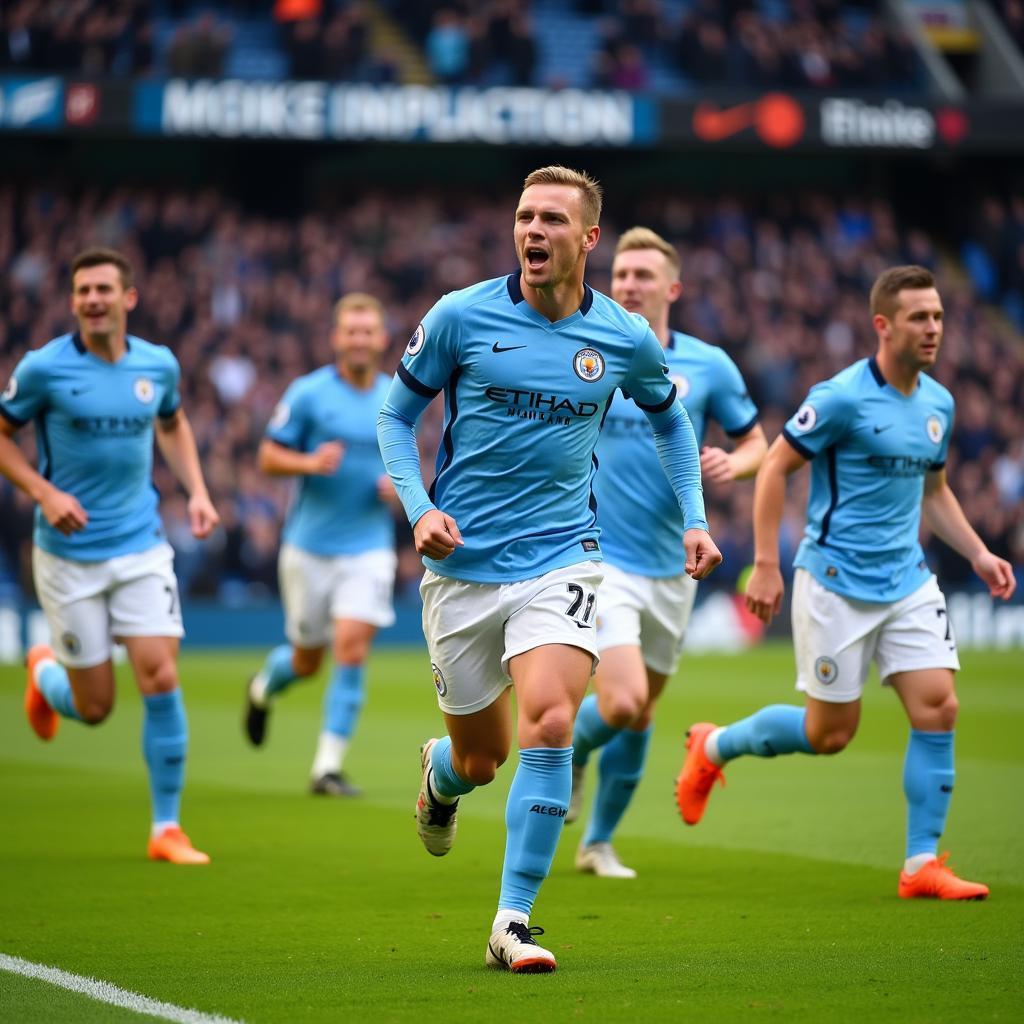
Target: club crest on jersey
(826, 670)
(439, 683)
(682, 385)
(805, 418)
(419, 336)
(144, 390)
(589, 365)
(934, 427)
(11, 390)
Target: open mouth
(536, 258)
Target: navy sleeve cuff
(415, 385)
(798, 446)
(936, 466)
(11, 418)
(740, 431)
(660, 406)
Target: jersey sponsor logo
(538, 405)
(144, 390)
(682, 385)
(899, 465)
(805, 418)
(498, 347)
(113, 426)
(11, 391)
(935, 429)
(419, 336)
(589, 365)
(555, 812)
(826, 671)
(439, 684)
(280, 416)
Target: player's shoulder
(483, 292)
(54, 351)
(936, 392)
(615, 319)
(689, 346)
(316, 380)
(848, 383)
(151, 351)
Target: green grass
(780, 906)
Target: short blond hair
(590, 191)
(886, 289)
(645, 238)
(357, 302)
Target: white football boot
(601, 859)
(435, 821)
(513, 948)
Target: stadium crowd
(245, 302)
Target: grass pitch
(780, 906)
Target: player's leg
(343, 700)
(305, 583)
(834, 640)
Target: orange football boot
(43, 719)
(173, 845)
(935, 881)
(699, 774)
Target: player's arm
(944, 516)
(765, 586)
(277, 459)
(60, 509)
(177, 445)
(722, 467)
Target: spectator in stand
(198, 48)
(448, 47)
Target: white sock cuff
(711, 746)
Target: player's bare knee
(161, 677)
(943, 714)
(623, 709)
(830, 741)
(305, 662)
(553, 728)
(94, 710)
(479, 769)
(351, 652)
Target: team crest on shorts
(935, 431)
(419, 336)
(144, 391)
(71, 642)
(682, 385)
(826, 670)
(589, 365)
(11, 390)
(439, 683)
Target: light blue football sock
(538, 800)
(621, 767)
(164, 744)
(590, 731)
(928, 776)
(776, 729)
(277, 670)
(55, 687)
(344, 699)
(445, 780)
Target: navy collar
(876, 372)
(515, 293)
(76, 340)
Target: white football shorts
(836, 637)
(318, 589)
(87, 604)
(473, 630)
(648, 612)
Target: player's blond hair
(886, 289)
(645, 238)
(590, 191)
(357, 302)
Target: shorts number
(172, 608)
(577, 602)
(941, 613)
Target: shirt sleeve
(731, 405)
(821, 420)
(171, 401)
(26, 394)
(287, 424)
(396, 437)
(433, 350)
(647, 381)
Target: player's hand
(436, 535)
(202, 516)
(63, 512)
(702, 554)
(386, 491)
(764, 592)
(997, 574)
(326, 459)
(716, 466)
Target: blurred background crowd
(245, 300)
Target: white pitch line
(104, 992)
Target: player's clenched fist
(62, 511)
(702, 554)
(436, 534)
(764, 592)
(326, 459)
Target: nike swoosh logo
(878, 430)
(496, 347)
(78, 391)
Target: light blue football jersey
(871, 447)
(339, 514)
(94, 433)
(524, 402)
(641, 525)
